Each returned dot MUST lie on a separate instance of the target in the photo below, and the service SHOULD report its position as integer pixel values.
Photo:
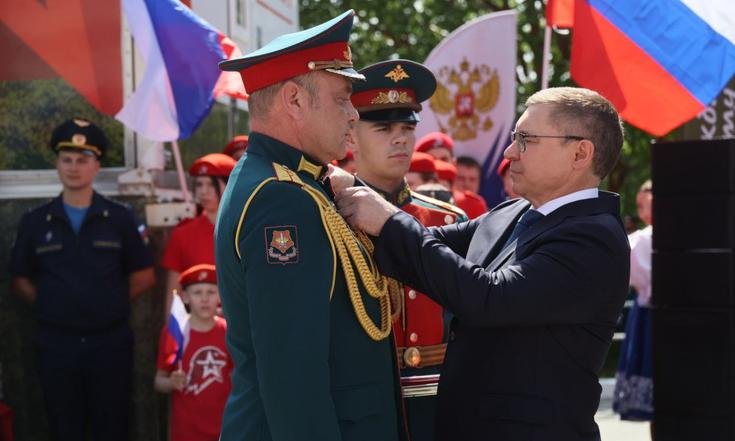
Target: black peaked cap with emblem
(80, 135)
(393, 91)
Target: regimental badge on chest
(281, 244)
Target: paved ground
(611, 427)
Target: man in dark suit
(536, 285)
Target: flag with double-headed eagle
(475, 98)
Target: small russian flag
(177, 331)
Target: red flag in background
(77, 40)
(560, 13)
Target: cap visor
(349, 73)
(391, 115)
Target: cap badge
(203, 170)
(391, 97)
(202, 276)
(78, 139)
(81, 122)
(397, 74)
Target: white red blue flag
(181, 52)
(659, 61)
(176, 332)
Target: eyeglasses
(521, 138)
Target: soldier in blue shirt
(79, 260)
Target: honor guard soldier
(309, 318)
(388, 103)
(79, 260)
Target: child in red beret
(197, 377)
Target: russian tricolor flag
(659, 61)
(181, 52)
(176, 334)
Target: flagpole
(546, 59)
(180, 171)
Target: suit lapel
(501, 258)
(605, 203)
(493, 232)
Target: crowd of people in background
(81, 244)
(198, 377)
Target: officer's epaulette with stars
(437, 204)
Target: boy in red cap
(437, 144)
(421, 171)
(236, 147)
(199, 382)
(439, 186)
(192, 240)
(446, 173)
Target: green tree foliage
(211, 135)
(403, 29)
(29, 112)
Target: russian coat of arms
(465, 95)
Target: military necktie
(528, 218)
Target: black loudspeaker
(693, 280)
(694, 374)
(693, 221)
(693, 167)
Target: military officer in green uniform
(308, 316)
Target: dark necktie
(528, 218)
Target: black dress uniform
(309, 318)
(83, 338)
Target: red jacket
(421, 321)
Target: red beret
(422, 163)
(202, 273)
(434, 140)
(213, 164)
(236, 143)
(503, 167)
(472, 204)
(445, 170)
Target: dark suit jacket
(533, 322)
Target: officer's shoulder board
(280, 174)
(438, 205)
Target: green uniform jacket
(304, 367)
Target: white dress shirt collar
(587, 193)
